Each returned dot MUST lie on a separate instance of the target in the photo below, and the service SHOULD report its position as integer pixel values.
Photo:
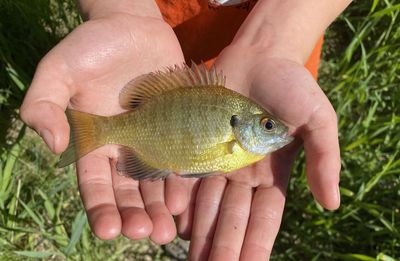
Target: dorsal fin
(144, 87)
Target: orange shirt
(203, 30)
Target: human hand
(238, 216)
(86, 71)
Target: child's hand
(239, 215)
(86, 72)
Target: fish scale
(183, 121)
(192, 133)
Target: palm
(287, 90)
(280, 84)
(245, 207)
(103, 55)
(86, 71)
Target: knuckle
(237, 212)
(25, 113)
(322, 116)
(258, 249)
(209, 204)
(269, 216)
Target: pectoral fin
(220, 150)
(130, 164)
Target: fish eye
(234, 121)
(268, 124)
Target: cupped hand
(237, 216)
(86, 72)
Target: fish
(182, 120)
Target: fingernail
(338, 194)
(48, 138)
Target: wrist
(94, 9)
(267, 42)
(287, 29)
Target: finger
(232, 222)
(313, 113)
(45, 102)
(136, 224)
(164, 230)
(209, 196)
(265, 218)
(322, 152)
(176, 194)
(95, 185)
(184, 221)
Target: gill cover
(259, 133)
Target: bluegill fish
(181, 121)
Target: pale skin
(229, 217)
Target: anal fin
(200, 175)
(130, 164)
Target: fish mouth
(285, 140)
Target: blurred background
(41, 215)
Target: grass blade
(77, 228)
(35, 254)
(32, 214)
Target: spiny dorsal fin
(144, 87)
(130, 164)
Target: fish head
(260, 133)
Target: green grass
(361, 76)
(41, 213)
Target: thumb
(44, 105)
(49, 121)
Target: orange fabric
(204, 30)
(313, 61)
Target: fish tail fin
(84, 137)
